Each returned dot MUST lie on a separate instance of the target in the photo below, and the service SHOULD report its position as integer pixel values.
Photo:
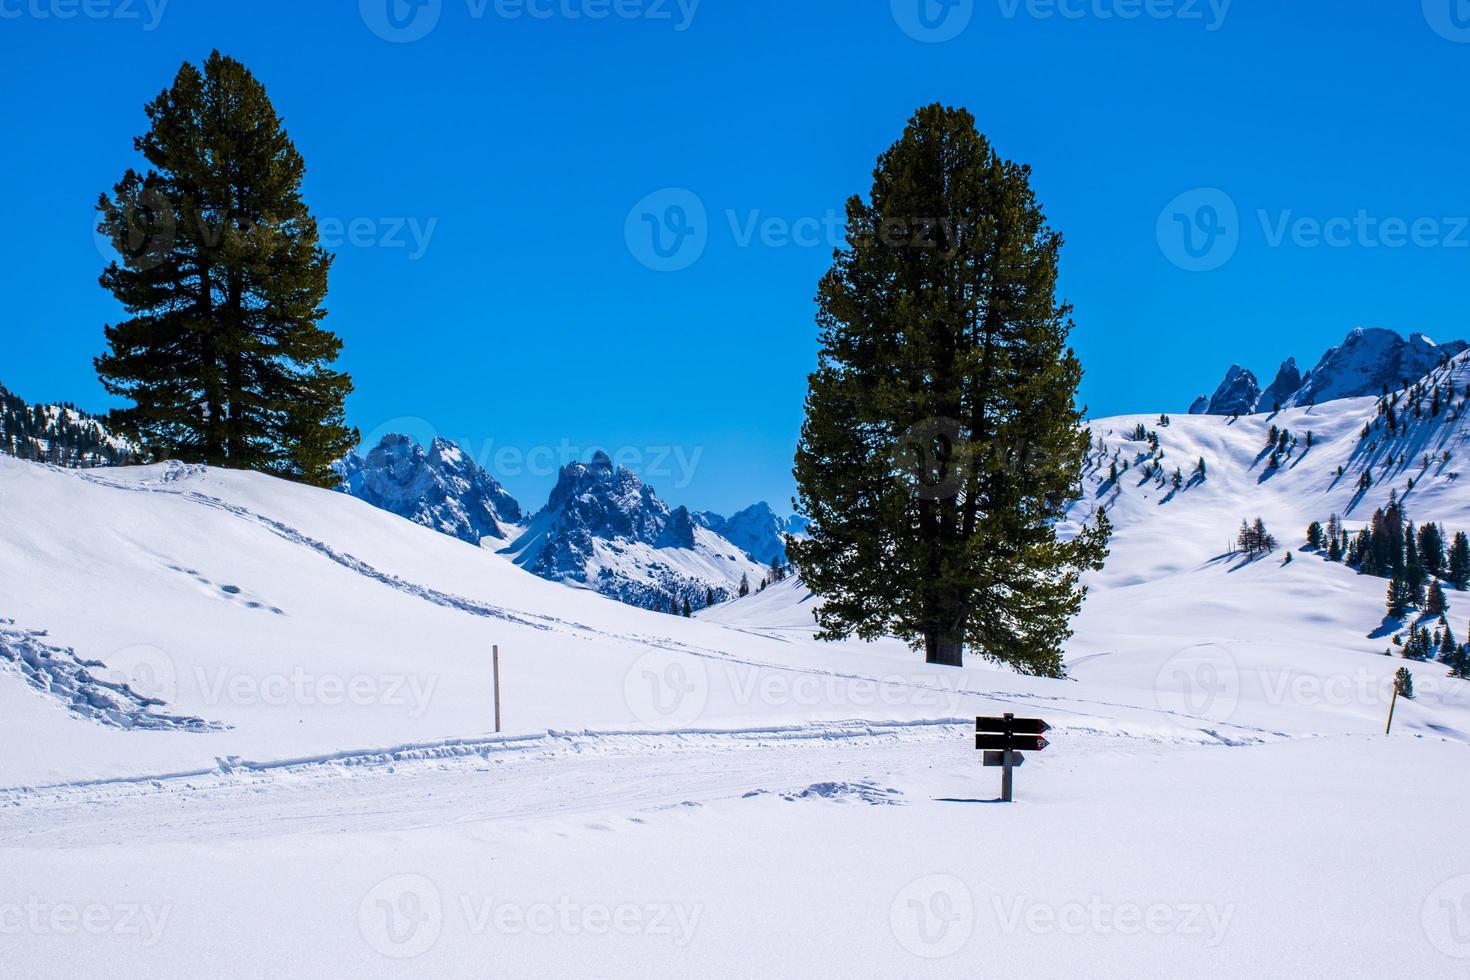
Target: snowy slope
(285, 765)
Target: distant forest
(62, 435)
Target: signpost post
(1003, 740)
(496, 657)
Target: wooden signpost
(496, 656)
(1004, 739)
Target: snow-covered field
(320, 791)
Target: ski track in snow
(60, 674)
(461, 780)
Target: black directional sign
(1004, 739)
(1012, 743)
(1018, 726)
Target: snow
(724, 795)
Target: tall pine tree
(942, 440)
(223, 277)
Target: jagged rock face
(1288, 380)
(1237, 394)
(443, 488)
(604, 528)
(600, 500)
(678, 532)
(1367, 361)
(756, 530)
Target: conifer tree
(1459, 562)
(1314, 534)
(1435, 603)
(942, 439)
(1400, 597)
(1431, 548)
(1404, 682)
(744, 586)
(223, 276)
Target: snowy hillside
(291, 689)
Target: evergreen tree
(1435, 604)
(744, 586)
(709, 597)
(942, 439)
(1404, 683)
(688, 612)
(223, 277)
(1314, 534)
(1400, 597)
(1459, 562)
(1199, 469)
(1431, 548)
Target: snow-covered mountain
(756, 530)
(1369, 362)
(60, 434)
(441, 488)
(1237, 395)
(605, 529)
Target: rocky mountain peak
(441, 488)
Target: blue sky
(484, 168)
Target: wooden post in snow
(496, 658)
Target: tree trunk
(944, 649)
